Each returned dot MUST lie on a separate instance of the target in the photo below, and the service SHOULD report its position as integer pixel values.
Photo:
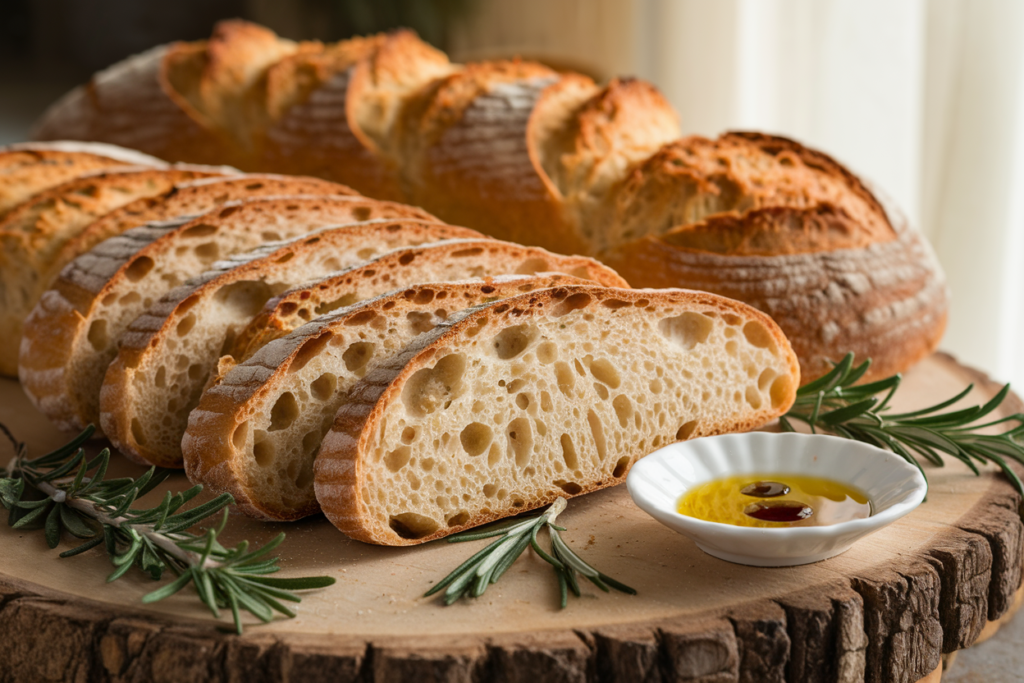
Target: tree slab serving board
(883, 611)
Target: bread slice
(71, 336)
(167, 354)
(194, 198)
(555, 393)
(32, 235)
(29, 168)
(255, 434)
(452, 260)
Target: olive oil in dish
(774, 501)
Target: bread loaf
(538, 157)
(29, 168)
(554, 393)
(166, 355)
(71, 336)
(449, 260)
(256, 432)
(33, 234)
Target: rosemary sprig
(473, 576)
(836, 404)
(66, 492)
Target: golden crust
(340, 468)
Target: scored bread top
(436, 262)
(166, 355)
(71, 337)
(256, 432)
(508, 406)
(696, 179)
(29, 168)
(33, 233)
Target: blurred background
(922, 97)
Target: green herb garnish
(472, 577)
(64, 492)
(835, 404)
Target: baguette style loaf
(71, 335)
(166, 356)
(256, 432)
(505, 407)
(29, 168)
(539, 157)
(438, 262)
(33, 233)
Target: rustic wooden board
(884, 611)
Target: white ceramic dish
(894, 486)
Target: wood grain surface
(884, 611)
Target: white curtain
(925, 98)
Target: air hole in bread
(569, 452)
(228, 211)
(137, 432)
(239, 436)
(467, 253)
(160, 380)
(615, 304)
(357, 356)
(597, 430)
(408, 435)
(547, 352)
(523, 401)
(732, 319)
(420, 321)
(731, 347)
(139, 268)
(623, 409)
(199, 231)
(398, 458)
(262, 449)
(686, 430)
(412, 526)
(333, 305)
(782, 389)
(270, 236)
(284, 412)
(687, 330)
(196, 372)
(208, 253)
(565, 377)
(758, 335)
(243, 299)
(97, 336)
(570, 487)
(308, 351)
(512, 341)
(753, 397)
(602, 391)
(432, 388)
(362, 213)
(322, 388)
(475, 438)
(186, 324)
(520, 440)
(310, 444)
(493, 455)
(531, 266)
(570, 304)
(621, 467)
(604, 371)
(765, 379)
(458, 519)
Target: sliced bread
(29, 168)
(33, 233)
(555, 393)
(453, 260)
(255, 434)
(193, 198)
(167, 354)
(71, 336)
